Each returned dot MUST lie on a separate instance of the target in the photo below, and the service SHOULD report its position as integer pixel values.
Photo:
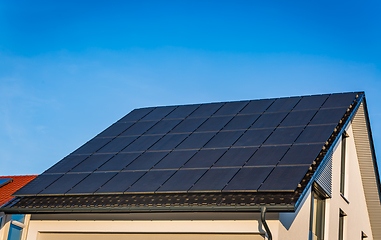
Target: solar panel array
(258, 145)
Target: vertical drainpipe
(263, 219)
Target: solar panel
(301, 154)
(196, 140)
(66, 164)
(205, 158)
(329, 116)
(5, 181)
(231, 108)
(182, 180)
(283, 104)
(311, 102)
(188, 125)
(64, 184)
(276, 180)
(142, 143)
(224, 139)
(37, 185)
(235, 157)
(117, 144)
(284, 136)
(182, 111)
(139, 128)
(206, 110)
(248, 179)
(269, 120)
(253, 138)
(214, 180)
(121, 182)
(118, 162)
(169, 141)
(115, 129)
(163, 126)
(92, 163)
(150, 182)
(315, 134)
(298, 118)
(146, 161)
(159, 113)
(136, 114)
(257, 106)
(214, 124)
(339, 100)
(92, 146)
(91, 183)
(241, 122)
(267, 156)
(175, 159)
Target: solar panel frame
(276, 180)
(116, 129)
(206, 110)
(311, 102)
(38, 184)
(339, 100)
(214, 124)
(138, 128)
(298, 118)
(159, 113)
(182, 180)
(284, 136)
(214, 180)
(241, 122)
(188, 125)
(120, 182)
(91, 183)
(150, 181)
(119, 161)
(283, 104)
(142, 143)
(248, 179)
(267, 156)
(182, 111)
(91, 163)
(146, 161)
(205, 158)
(301, 154)
(67, 164)
(92, 146)
(169, 142)
(163, 126)
(269, 120)
(64, 184)
(224, 139)
(117, 144)
(257, 106)
(136, 114)
(235, 157)
(174, 160)
(315, 134)
(196, 140)
(253, 138)
(328, 116)
(231, 108)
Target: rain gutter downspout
(263, 220)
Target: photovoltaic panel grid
(257, 145)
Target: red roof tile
(8, 189)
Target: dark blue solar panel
(298, 118)
(92, 163)
(188, 125)
(284, 136)
(283, 104)
(169, 141)
(163, 126)
(91, 183)
(182, 111)
(214, 124)
(204, 158)
(136, 114)
(146, 161)
(269, 120)
(316, 134)
(159, 113)
(64, 184)
(339, 100)
(196, 140)
(267, 156)
(150, 182)
(5, 181)
(121, 182)
(231, 108)
(38, 184)
(257, 106)
(224, 139)
(118, 162)
(175, 159)
(311, 102)
(277, 178)
(142, 143)
(301, 154)
(248, 179)
(206, 110)
(253, 138)
(329, 116)
(214, 180)
(139, 128)
(241, 122)
(115, 129)
(235, 157)
(117, 144)
(182, 180)
(67, 163)
(92, 146)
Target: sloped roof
(14, 183)
(264, 151)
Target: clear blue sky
(69, 69)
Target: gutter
(263, 220)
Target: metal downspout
(263, 219)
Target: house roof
(10, 184)
(231, 153)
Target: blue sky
(69, 69)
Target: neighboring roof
(10, 184)
(263, 151)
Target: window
(343, 156)
(317, 217)
(341, 225)
(16, 227)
